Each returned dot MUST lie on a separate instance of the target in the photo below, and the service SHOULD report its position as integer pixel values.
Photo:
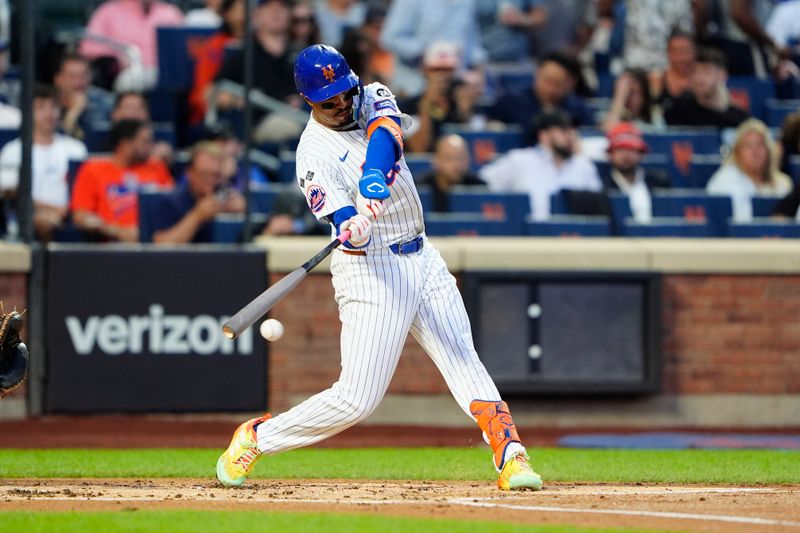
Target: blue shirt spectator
(553, 89)
(185, 214)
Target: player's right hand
(372, 185)
(369, 207)
(360, 230)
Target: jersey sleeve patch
(315, 196)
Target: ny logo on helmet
(328, 73)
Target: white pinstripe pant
(381, 298)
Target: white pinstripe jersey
(330, 164)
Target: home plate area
(678, 507)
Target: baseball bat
(261, 304)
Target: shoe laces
(248, 456)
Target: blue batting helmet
(321, 72)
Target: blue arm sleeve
(382, 150)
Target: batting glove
(372, 185)
(360, 230)
(370, 208)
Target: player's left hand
(360, 230)
(369, 207)
(372, 185)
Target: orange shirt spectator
(110, 190)
(209, 60)
(104, 198)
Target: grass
(749, 467)
(254, 521)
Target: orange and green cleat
(236, 463)
(517, 474)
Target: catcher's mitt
(13, 353)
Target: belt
(403, 248)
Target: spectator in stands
(506, 28)
(104, 198)
(632, 102)
(52, 153)
(553, 88)
(681, 58)
(447, 98)
(10, 115)
(131, 23)
(648, 25)
(411, 26)
(134, 106)
(783, 25)
(750, 170)
(185, 214)
(338, 16)
(626, 148)
(569, 27)
(209, 57)
(709, 101)
(363, 50)
(304, 30)
(741, 35)
(790, 141)
(451, 167)
(232, 168)
(273, 73)
(9, 86)
(207, 16)
(84, 106)
(552, 165)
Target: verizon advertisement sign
(141, 330)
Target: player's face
(336, 111)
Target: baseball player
(388, 278)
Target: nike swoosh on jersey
(344, 156)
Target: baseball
(271, 329)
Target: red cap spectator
(626, 135)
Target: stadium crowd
(628, 117)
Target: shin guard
(495, 421)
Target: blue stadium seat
(751, 94)
(469, 224)
(558, 204)
(667, 227)
(485, 145)
(569, 226)
(702, 168)
(679, 146)
(511, 206)
(777, 110)
(694, 206)
(419, 164)
(514, 82)
(765, 228)
(262, 198)
(177, 49)
(426, 198)
(227, 228)
(620, 211)
(763, 206)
